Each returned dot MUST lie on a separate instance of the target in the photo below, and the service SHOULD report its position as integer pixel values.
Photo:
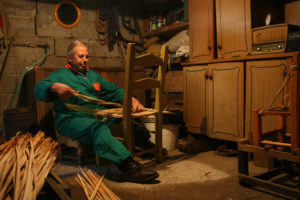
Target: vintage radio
(269, 39)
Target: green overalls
(80, 126)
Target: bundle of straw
(25, 162)
(93, 186)
(113, 112)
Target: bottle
(154, 23)
(151, 22)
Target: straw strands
(113, 112)
(25, 162)
(93, 186)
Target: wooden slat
(276, 143)
(274, 113)
(57, 189)
(270, 153)
(270, 186)
(146, 83)
(147, 60)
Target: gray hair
(70, 51)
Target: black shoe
(133, 171)
(147, 144)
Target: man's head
(77, 55)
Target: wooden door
(195, 99)
(263, 79)
(226, 100)
(233, 28)
(201, 29)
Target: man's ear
(69, 58)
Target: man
(60, 87)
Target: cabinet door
(201, 29)
(263, 79)
(233, 28)
(226, 100)
(195, 99)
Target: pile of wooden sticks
(93, 186)
(25, 162)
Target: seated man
(60, 87)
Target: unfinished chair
(279, 135)
(145, 84)
(281, 138)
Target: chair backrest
(146, 83)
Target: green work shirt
(84, 85)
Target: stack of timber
(93, 186)
(25, 162)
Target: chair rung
(146, 83)
(276, 143)
(274, 113)
(288, 134)
(119, 138)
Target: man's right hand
(63, 90)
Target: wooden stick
(85, 190)
(98, 101)
(17, 177)
(96, 189)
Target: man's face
(80, 59)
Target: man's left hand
(137, 106)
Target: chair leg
(257, 130)
(158, 138)
(97, 160)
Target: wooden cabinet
(219, 96)
(263, 80)
(201, 29)
(214, 100)
(226, 100)
(233, 28)
(195, 98)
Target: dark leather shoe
(147, 144)
(133, 171)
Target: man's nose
(85, 59)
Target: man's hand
(137, 106)
(63, 90)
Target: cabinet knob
(209, 48)
(219, 47)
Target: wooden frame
(146, 83)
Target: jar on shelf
(159, 21)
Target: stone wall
(32, 22)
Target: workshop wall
(32, 22)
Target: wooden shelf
(168, 31)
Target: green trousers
(91, 131)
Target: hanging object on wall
(67, 14)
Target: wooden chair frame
(294, 113)
(146, 83)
